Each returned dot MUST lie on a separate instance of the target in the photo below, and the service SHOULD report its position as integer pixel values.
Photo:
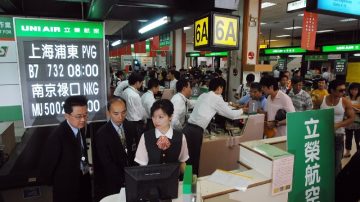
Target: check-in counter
(222, 151)
(260, 187)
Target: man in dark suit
(65, 163)
(113, 149)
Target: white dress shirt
(135, 110)
(173, 84)
(207, 105)
(142, 158)
(147, 100)
(281, 101)
(120, 88)
(181, 105)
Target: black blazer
(60, 164)
(110, 158)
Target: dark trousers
(349, 133)
(339, 152)
(194, 138)
(84, 193)
(345, 186)
(137, 128)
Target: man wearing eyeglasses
(114, 148)
(342, 108)
(65, 162)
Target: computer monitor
(152, 182)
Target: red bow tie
(163, 142)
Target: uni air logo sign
(29, 28)
(3, 51)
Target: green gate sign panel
(6, 28)
(310, 137)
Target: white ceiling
(276, 19)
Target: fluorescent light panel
(290, 28)
(356, 54)
(115, 43)
(348, 20)
(282, 36)
(186, 28)
(267, 4)
(263, 23)
(324, 31)
(154, 24)
(301, 15)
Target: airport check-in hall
(178, 100)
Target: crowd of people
(143, 130)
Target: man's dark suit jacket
(60, 165)
(110, 158)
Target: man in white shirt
(172, 79)
(207, 105)
(148, 99)
(181, 103)
(135, 111)
(276, 100)
(120, 88)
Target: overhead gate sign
(58, 59)
(217, 32)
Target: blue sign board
(349, 7)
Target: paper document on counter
(235, 180)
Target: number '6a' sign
(216, 31)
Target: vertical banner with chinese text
(310, 137)
(58, 59)
(308, 36)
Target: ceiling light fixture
(263, 23)
(301, 15)
(348, 20)
(115, 43)
(282, 36)
(154, 24)
(186, 28)
(356, 54)
(267, 4)
(325, 30)
(290, 28)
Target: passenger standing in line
(135, 111)
(354, 128)
(207, 105)
(276, 100)
(64, 164)
(342, 108)
(244, 89)
(319, 93)
(162, 144)
(120, 88)
(181, 103)
(300, 98)
(113, 149)
(171, 77)
(148, 99)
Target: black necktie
(83, 163)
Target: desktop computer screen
(152, 182)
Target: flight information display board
(58, 59)
(343, 8)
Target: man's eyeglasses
(80, 116)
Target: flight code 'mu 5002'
(56, 108)
(60, 71)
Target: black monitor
(152, 182)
